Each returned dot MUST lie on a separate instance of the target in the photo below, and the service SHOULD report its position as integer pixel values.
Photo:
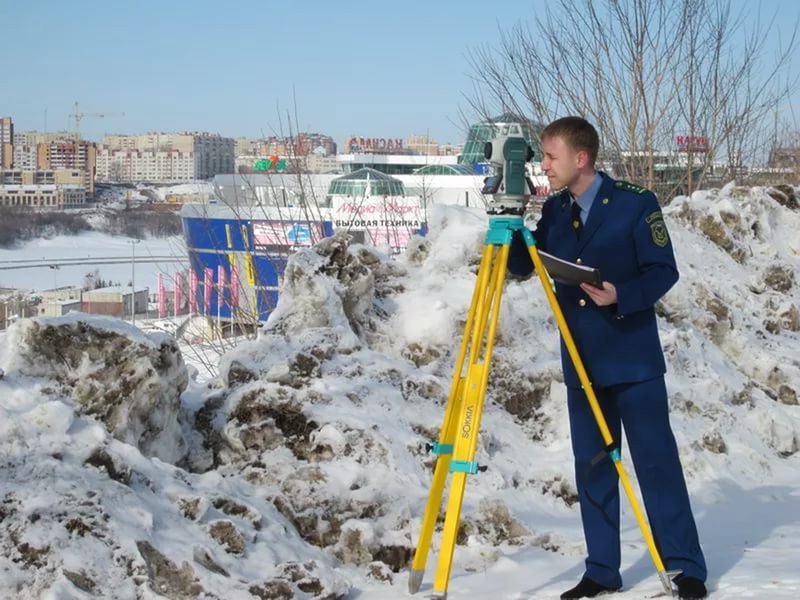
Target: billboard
(356, 143)
(691, 143)
(286, 233)
(273, 163)
(379, 221)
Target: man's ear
(582, 159)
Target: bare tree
(643, 71)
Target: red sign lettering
(362, 144)
(692, 143)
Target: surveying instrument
(509, 189)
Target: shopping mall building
(238, 245)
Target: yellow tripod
(457, 443)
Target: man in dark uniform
(617, 227)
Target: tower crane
(78, 116)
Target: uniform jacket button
(582, 302)
(578, 261)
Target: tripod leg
(447, 434)
(477, 378)
(608, 440)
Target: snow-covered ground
(88, 246)
(300, 471)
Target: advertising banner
(383, 221)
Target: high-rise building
(244, 146)
(80, 155)
(6, 142)
(306, 143)
(34, 138)
(300, 144)
(423, 144)
(25, 157)
(142, 165)
(211, 154)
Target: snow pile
(130, 382)
(331, 414)
(88, 406)
(733, 343)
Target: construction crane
(78, 116)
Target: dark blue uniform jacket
(626, 238)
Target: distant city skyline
(354, 68)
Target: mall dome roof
(366, 181)
(367, 173)
(445, 170)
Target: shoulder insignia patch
(654, 216)
(658, 229)
(630, 187)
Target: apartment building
(300, 144)
(25, 157)
(163, 155)
(318, 163)
(6, 142)
(26, 146)
(424, 144)
(244, 146)
(34, 138)
(70, 154)
(140, 165)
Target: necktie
(577, 223)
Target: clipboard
(570, 273)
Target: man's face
(561, 163)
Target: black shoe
(691, 588)
(587, 589)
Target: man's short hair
(577, 133)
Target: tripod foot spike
(415, 580)
(666, 581)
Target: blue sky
(378, 69)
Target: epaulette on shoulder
(630, 187)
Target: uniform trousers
(642, 408)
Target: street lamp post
(55, 268)
(133, 279)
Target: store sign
(386, 206)
(691, 143)
(362, 144)
(273, 163)
(389, 222)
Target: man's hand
(604, 297)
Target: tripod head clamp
(509, 187)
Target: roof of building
(366, 181)
(445, 170)
(366, 174)
(116, 289)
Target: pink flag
(178, 299)
(234, 285)
(220, 286)
(162, 297)
(193, 291)
(208, 283)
